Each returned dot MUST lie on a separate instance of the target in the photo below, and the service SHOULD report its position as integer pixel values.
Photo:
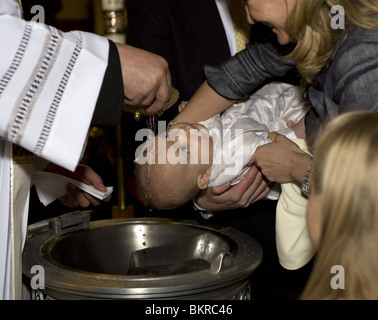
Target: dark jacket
(188, 34)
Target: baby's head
(172, 168)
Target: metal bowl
(139, 258)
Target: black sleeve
(111, 98)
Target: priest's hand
(146, 78)
(74, 196)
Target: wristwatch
(305, 186)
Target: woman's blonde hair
(346, 176)
(309, 25)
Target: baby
(173, 167)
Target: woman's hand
(298, 128)
(252, 188)
(74, 196)
(282, 160)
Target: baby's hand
(182, 105)
(290, 123)
(298, 128)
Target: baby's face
(182, 143)
(172, 162)
(188, 143)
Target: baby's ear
(203, 179)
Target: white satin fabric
(245, 126)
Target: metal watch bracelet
(305, 186)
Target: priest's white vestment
(49, 85)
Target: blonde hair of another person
(345, 176)
(309, 25)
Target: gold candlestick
(115, 20)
